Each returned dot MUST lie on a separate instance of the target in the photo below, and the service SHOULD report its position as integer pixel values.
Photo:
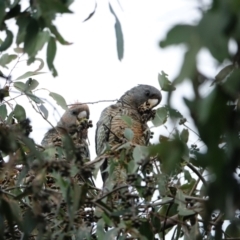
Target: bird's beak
(82, 114)
(153, 102)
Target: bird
(74, 124)
(137, 104)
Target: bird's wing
(102, 131)
(49, 136)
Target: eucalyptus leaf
(51, 53)
(29, 74)
(6, 58)
(184, 135)
(128, 120)
(44, 110)
(3, 112)
(19, 113)
(128, 134)
(160, 117)
(7, 42)
(164, 82)
(59, 100)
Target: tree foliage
(172, 185)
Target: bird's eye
(74, 112)
(147, 93)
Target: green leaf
(224, 74)
(2, 11)
(7, 42)
(146, 230)
(6, 58)
(128, 134)
(184, 135)
(164, 83)
(187, 175)
(3, 112)
(34, 97)
(179, 34)
(160, 117)
(173, 113)
(18, 50)
(51, 52)
(140, 153)
(58, 35)
(31, 84)
(59, 100)
(29, 74)
(20, 86)
(128, 120)
(22, 22)
(119, 35)
(19, 113)
(233, 230)
(31, 37)
(42, 38)
(41, 64)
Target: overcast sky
(89, 69)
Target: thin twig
(197, 173)
(115, 100)
(191, 130)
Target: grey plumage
(137, 103)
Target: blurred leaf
(170, 159)
(214, 40)
(20, 86)
(128, 134)
(51, 52)
(184, 135)
(42, 38)
(233, 230)
(173, 113)
(127, 120)
(160, 117)
(30, 222)
(224, 74)
(59, 100)
(4, 92)
(31, 84)
(29, 74)
(182, 209)
(155, 221)
(119, 35)
(146, 230)
(3, 112)
(31, 37)
(19, 113)
(18, 50)
(164, 82)
(163, 138)
(179, 34)
(34, 97)
(59, 36)
(140, 153)
(187, 175)
(22, 22)
(44, 110)
(2, 11)
(41, 64)
(7, 42)
(6, 58)
(91, 14)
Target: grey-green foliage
(36, 28)
(174, 185)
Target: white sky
(89, 69)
